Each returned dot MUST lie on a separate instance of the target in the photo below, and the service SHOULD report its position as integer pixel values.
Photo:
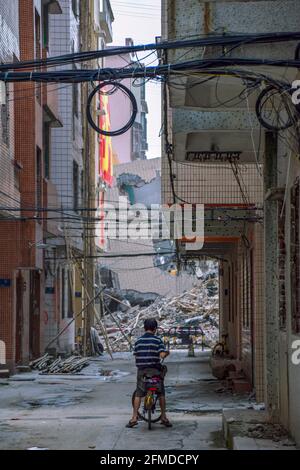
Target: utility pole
(88, 42)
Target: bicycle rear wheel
(154, 417)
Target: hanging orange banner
(105, 147)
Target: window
(75, 99)
(295, 256)
(38, 178)
(17, 171)
(75, 186)
(46, 25)
(5, 113)
(75, 8)
(37, 35)
(47, 148)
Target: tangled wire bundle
(274, 109)
(115, 87)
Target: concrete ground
(90, 411)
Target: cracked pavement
(90, 412)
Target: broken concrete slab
(252, 430)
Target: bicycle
(221, 349)
(150, 413)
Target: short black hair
(150, 324)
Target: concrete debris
(223, 367)
(275, 432)
(220, 390)
(112, 374)
(259, 406)
(230, 420)
(49, 365)
(130, 297)
(106, 373)
(193, 314)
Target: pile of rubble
(49, 365)
(275, 432)
(194, 312)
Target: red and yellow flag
(105, 147)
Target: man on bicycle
(149, 350)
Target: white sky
(141, 21)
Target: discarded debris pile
(49, 365)
(275, 432)
(193, 312)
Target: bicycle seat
(151, 373)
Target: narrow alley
(150, 217)
(88, 412)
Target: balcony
(222, 93)
(199, 137)
(106, 18)
(236, 16)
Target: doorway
(34, 315)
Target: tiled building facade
(65, 173)
(44, 168)
(256, 234)
(22, 302)
(9, 190)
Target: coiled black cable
(116, 86)
(263, 98)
